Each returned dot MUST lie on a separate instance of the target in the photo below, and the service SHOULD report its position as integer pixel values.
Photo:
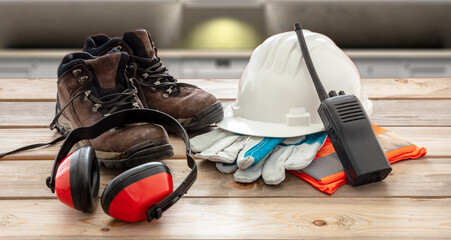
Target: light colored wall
(66, 24)
(367, 23)
(216, 27)
(173, 23)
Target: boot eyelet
(82, 79)
(165, 95)
(96, 106)
(76, 72)
(86, 95)
(153, 89)
(130, 66)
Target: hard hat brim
(244, 126)
(263, 129)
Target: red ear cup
(128, 196)
(77, 180)
(62, 182)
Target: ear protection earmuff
(141, 192)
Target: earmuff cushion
(135, 175)
(84, 179)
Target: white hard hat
(276, 95)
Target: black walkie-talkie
(348, 128)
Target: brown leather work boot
(90, 88)
(191, 106)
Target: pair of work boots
(114, 74)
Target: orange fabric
(378, 130)
(326, 149)
(328, 188)
(332, 182)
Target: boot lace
(111, 102)
(153, 76)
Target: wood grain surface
(436, 140)
(426, 175)
(226, 89)
(413, 202)
(416, 112)
(239, 218)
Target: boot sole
(210, 115)
(153, 152)
(142, 153)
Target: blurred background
(215, 38)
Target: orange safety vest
(327, 174)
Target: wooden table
(414, 201)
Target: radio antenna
(308, 61)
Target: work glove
(251, 157)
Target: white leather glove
(251, 157)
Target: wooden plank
(226, 89)
(411, 112)
(436, 140)
(425, 177)
(385, 113)
(15, 138)
(32, 89)
(407, 88)
(428, 138)
(26, 114)
(25, 89)
(219, 218)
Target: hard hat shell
(276, 95)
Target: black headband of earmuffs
(122, 118)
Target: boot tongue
(109, 72)
(142, 46)
(140, 42)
